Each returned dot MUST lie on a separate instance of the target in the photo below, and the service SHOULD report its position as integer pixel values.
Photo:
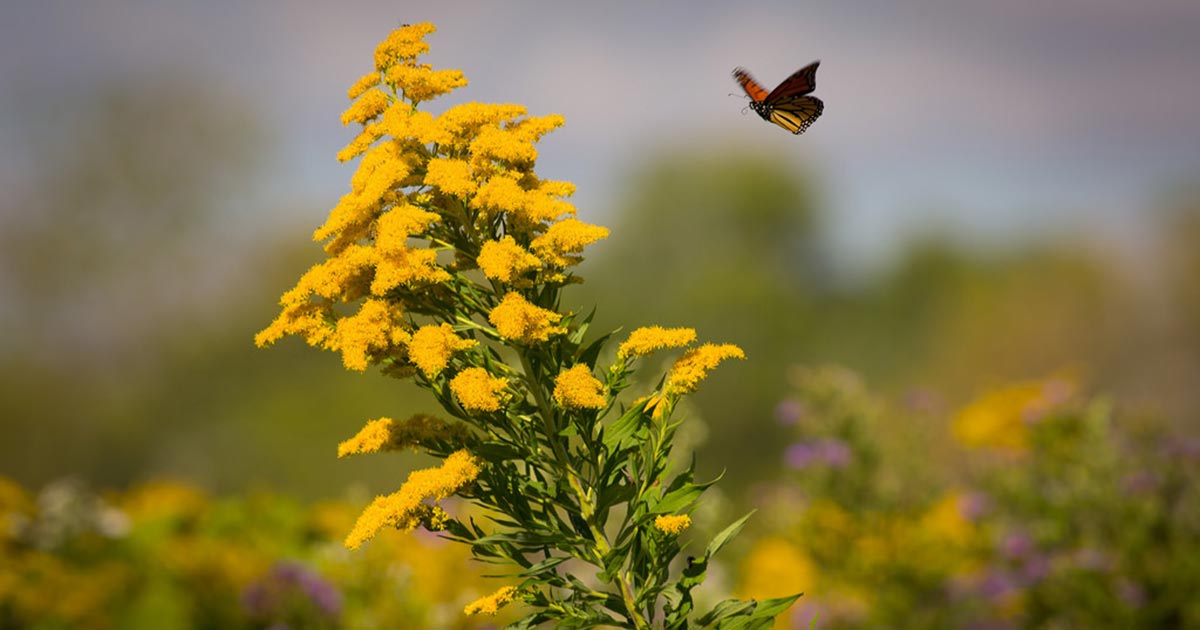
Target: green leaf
(771, 608)
(723, 538)
(727, 608)
(592, 352)
(544, 566)
(625, 426)
(677, 499)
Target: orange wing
(756, 92)
(800, 83)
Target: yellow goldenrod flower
(477, 390)
(366, 82)
(513, 144)
(506, 261)
(362, 141)
(672, 524)
(342, 278)
(516, 319)
(453, 177)
(386, 434)
(404, 509)
(311, 321)
(400, 223)
(407, 267)
(558, 246)
(527, 209)
(403, 44)
(647, 340)
(491, 604)
(370, 331)
(576, 388)
(501, 193)
(460, 124)
(432, 346)
(693, 366)
(369, 106)
(422, 83)
(405, 124)
(383, 168)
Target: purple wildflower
(973, 506)
(285, 587)
(789, 412)
(832, 453)
(1017, 545)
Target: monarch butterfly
(786, 105)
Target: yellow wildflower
(382, 169)
(542, 204)
(501, 193)
(398, 224)
(407, 267)
(673, 525)
(516, 319)
(513, 144)
(998, 418)
(491, 604)
(644, 341)
(342, 277)
(402, 122)
(775, 567)
(944, 522)
(506, 261)
(477, 390)
(361, 142)
(370, 331)
(386, 434)
(311, 321)
(576, 388)
(432, 346)
(404, 509)
(403, 44)
(369, 106)
(453, 177)
(692, 367)
(565, 238)
(463, 121)
(504, 193)
(366, 82)
(422, 83)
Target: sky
(986, 119)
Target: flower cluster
(445, 264)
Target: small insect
(787, 105)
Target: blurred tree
(123, 259)
(106, 255)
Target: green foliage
(1056, 512)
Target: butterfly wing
(796, 114)
(755, 91)
(800, 83)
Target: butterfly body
(788, 105)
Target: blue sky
(988, 119)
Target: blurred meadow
(969, 296)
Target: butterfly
(787, 105)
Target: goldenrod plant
(446, 264)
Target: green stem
(601, 546)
